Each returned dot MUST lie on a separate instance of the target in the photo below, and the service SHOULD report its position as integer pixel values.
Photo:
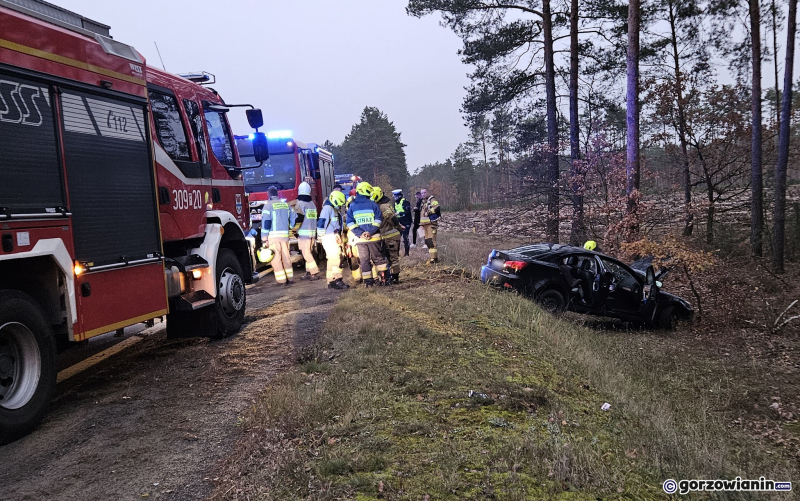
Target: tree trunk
(633, 163)
(552, 125)
(710, 212)
(687, 178)
(578, 232)
(774, 10)
(756, 177)
(779, 218)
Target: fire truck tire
(231, 296)
(27, 365)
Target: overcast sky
(311, 65)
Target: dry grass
(381, 409)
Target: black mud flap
(184, 320)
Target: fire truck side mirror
(260, 150)
(254, 118)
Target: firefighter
(429, 220)
(351, 250)
(364, 221)
(307, 217)
(390, 230)
(276, 219)
(417, 211)
(402, 208)
(329, 232)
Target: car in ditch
(564, 277)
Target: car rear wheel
(551, 301)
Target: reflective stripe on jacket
(430, 211)
(308, 229)
(364, 215)
(403, 211)
(276, 219)
(330, 221)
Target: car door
(624, 289)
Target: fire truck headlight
(197, 274)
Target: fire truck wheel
(27, 365)
(231, 297)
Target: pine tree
(373, 150)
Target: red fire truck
(290, 163)
(121, 200)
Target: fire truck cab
(290, 163)
(121, 200)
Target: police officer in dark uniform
(402, 208)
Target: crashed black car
(563, 277)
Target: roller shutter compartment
(110, 179)
(30, 177)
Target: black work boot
(307, 276)
(338, 284)
(314, 277)
(369, 282)
(395, 278)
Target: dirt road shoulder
(154, 420)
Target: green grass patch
(443, 387)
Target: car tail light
(515, 265)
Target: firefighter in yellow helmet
(329, 231)
(364, 220)
(591, 245)
(429, 220)
(391, 231)
(351, 249)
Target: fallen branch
(777, 327)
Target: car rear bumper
(498, 278)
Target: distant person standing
(306, 234)
(276, 220)
(429, 220)
(417, 211)
(402, 208)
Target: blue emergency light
(279, 134)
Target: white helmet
(304, 189)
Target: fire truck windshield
(278, 170)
